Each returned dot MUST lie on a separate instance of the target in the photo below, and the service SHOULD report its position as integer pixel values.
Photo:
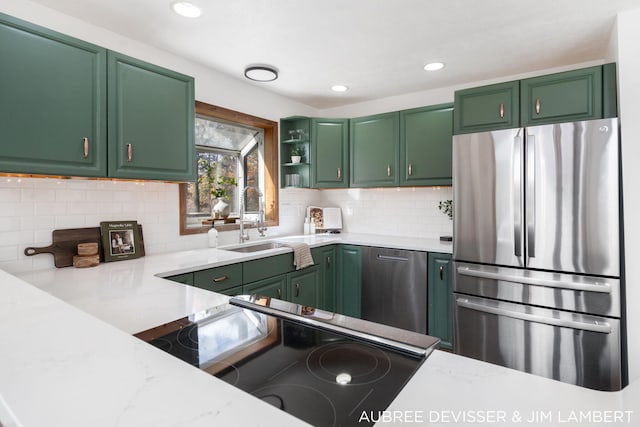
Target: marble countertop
(68, 359)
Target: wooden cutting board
(65, 244)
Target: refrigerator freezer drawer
(585, 294)
(569, 347)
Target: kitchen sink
(256, 248)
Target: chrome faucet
(244, 236)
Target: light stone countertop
(67, 359)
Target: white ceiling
(376, 47)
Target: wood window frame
(270, 166)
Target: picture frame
(121, 240)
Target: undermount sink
(256, 248)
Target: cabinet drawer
(186, 278)
(562, 97)
(259, 269)
(219, 278)
(487, 108)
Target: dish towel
(301, 254)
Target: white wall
(628, 54)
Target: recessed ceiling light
(434, 66)
(261, 73)
(339, 88)
(186, 9)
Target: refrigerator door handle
(601, 327)
(602, 287)
(517, 195)
(531, 196)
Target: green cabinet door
(325, 259)
(329, 153)
(185, 279)
(302, 286)
(486, 108)
(274, 287)
(349, 280)
(236, 290)
(53, 116)
(562, 97)
(373, 150)
(426, 136)
(440, 298)
(151, 121)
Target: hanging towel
(301, 254)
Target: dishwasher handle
(392, 258)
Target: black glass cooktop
(323, 377)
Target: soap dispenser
(212, 234)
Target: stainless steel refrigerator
(537, 251)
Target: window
(231, 145)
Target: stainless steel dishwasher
(394, 288)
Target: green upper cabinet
(303, 287)
(487, 108)
(52, 102)
(295, 133)
(151, 121)
(562, 97)
(440, 298)
(374, 154)
(329, 153)
(426, 136)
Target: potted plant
(219, 187)
(296, 153)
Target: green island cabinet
(294, 134)
(440, 298)
(583, 94)
(426, 136)
(329, 153)
(75, 109)
(373, 150)
(349, 280)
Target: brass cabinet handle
(220, 279)
(297, 290)
(410, 170)
(388, 170)
(502, 110)
(85, 145)
(441, 269)
(537, 105)
(279, 293)
(339, 173)
(129, 152)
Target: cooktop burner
(322, 376)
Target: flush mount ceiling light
(186, 9)
(261, 73)
(339, 88)
(434, 66)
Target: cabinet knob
(502, 110)
(441, 269)
(220, 279)
(537, 105)
(129, 152)
(339, 173)
(279, 293)
(297, 290)
(85, 147)
(410, 170)
(388, 170)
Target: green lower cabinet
(303, 287)
(349, 280)
(562, 97)
(374, 153)
(486, 108)
(151, 121)
(236, 290)
(274, 287)
(325, 259)
(263, 268)
(219, 279)
(440, 298)
(426, 137)
(53, 102)
(185, 279)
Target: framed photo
(121, 240)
